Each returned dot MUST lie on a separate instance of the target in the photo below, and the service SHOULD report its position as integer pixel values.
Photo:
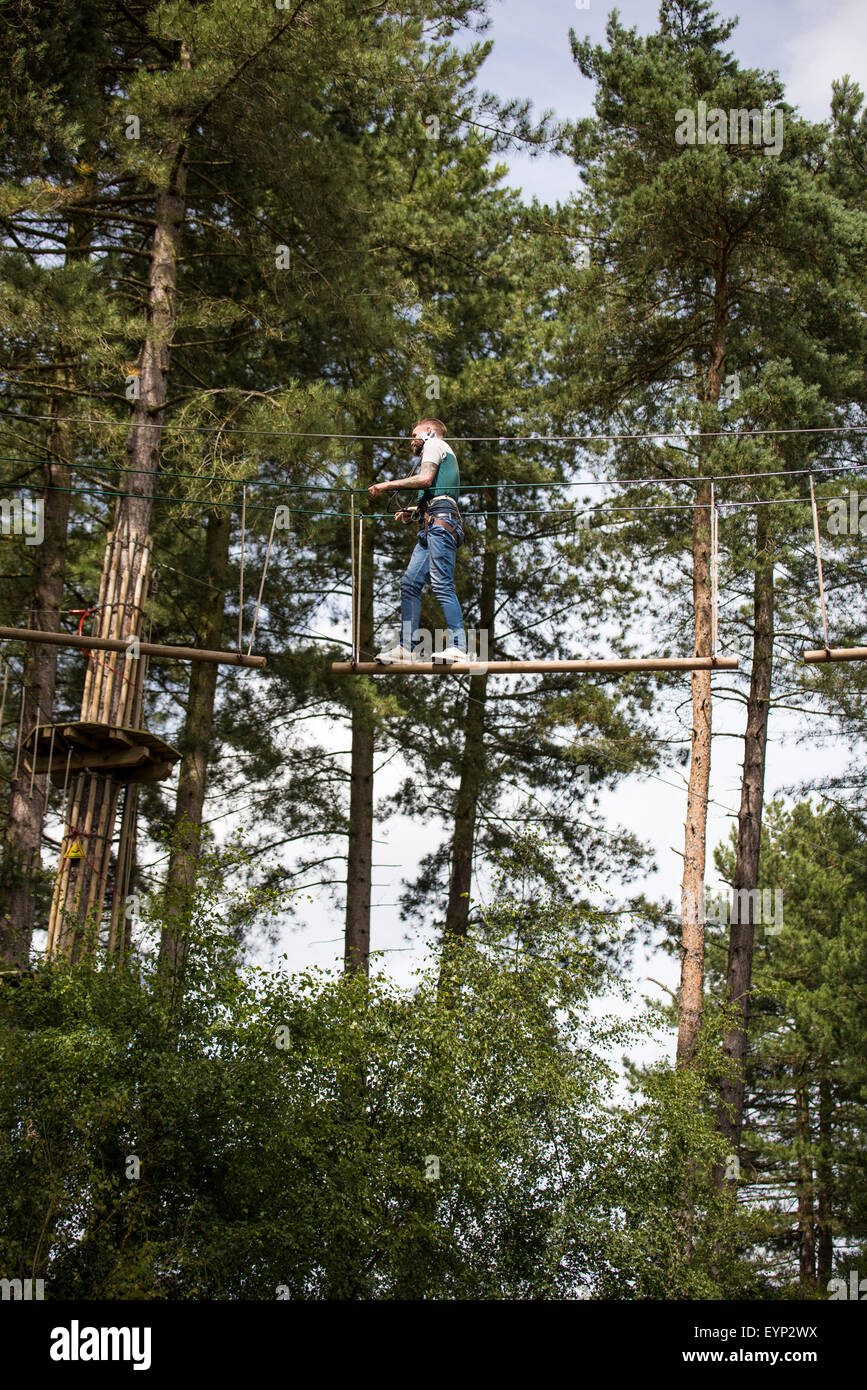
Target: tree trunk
(195, 747)
(824, 1195)
(806, 1218)
(473, 758)
(359, 865)
(691, 994)
(690, 997)
(112, 689)
(746, 880)
(23, 836)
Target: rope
(459, 438)
(41, 712)
(92, 656)
(50, 761)
(262, 584)
(78, 835)
(241, 590)
(467, 487)
(352, 561)
(20, 731)
(3, 696)
(66, 783)
(33, 769)
(819, 563)
(358, 589)
(506, 511)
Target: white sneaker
(449, 655)
(395, 656)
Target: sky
(809, 44)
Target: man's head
(423, 429)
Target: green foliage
(806, 1121)
(312, 1137)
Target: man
(440, 533)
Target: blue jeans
(433, 559)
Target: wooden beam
(837, 654)
(464, 668)
(97, 762)
(118, 644)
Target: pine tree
(680, 237)
(804, 1110)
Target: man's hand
(405, 514)
(377, 488)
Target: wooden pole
(94, 672)
(117, 929)
(462, 668)
(837, 654)
(116, 644)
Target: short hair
(437, 424)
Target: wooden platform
(127, 755)
(496, 668)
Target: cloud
(820, 43)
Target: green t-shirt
(447, 482)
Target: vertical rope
(20, 729)
(3, 696)
(262, 584)
(352, 562)
(33, 767)
(66, 782)
(819, 563)
(50, 760)
(33, 762)
(241, 590)
(64, 836)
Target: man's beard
(417, 445)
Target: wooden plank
(837, 654)
(428, 668)
(112, 644)
(98, 761)
(73, 734)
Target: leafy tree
(805, 1117)
(209, 1152)
(698, 253)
